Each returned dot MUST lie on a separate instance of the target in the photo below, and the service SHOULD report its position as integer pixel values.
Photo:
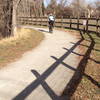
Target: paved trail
(39, 74)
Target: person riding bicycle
(51, 20)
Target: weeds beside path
(13, 47)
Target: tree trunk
(14, 16)
(14, 25)
(6, 17)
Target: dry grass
(13, 47)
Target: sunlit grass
(13, 47)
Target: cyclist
(51, 20)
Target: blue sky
(47, 1)
(88, 1)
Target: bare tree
(38, 7)
(52, 6)
(80, 8)
(58, 8)
(63, 3)
(6, 17)
(97, 3)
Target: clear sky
(46, 2)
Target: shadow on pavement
(73, 83)
(43, 30)
(79, 73)
(31, 87)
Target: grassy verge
(13, 47)
(89, 87)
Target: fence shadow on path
(73, 83)
(42, 30)
(32, 86)
(88, 47)
(79, 73)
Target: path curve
(38, 74)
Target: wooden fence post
(47, 22)
(70, 22)
(61, 21)
(78, 23)
(33, 21)
(97, 26)
(87, 25)
(41, 21)
(36, 20)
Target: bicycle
(51, 26)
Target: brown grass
(13, 47)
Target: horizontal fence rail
(92, 24)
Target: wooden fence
(92, 24)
